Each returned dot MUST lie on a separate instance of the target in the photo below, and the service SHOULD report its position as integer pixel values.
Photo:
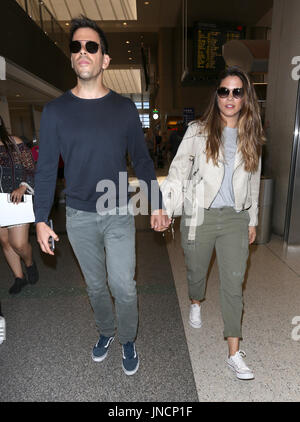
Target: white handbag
(11, 214)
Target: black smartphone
(51, 240)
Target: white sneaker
(195, 316)
(237, 364)
(2, 329)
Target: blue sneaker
(100, 349)
(130, 358)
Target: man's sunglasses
(91, 46)
(236, 92)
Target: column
(281, 103)
(166, 70)
(4, 113)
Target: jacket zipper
(219, 188)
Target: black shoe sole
(32, 275)
(15, 292)
(33, 282)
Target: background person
(150, 142)
(159, 158)
(35, 152)
(16, 177)
(228, 143)
(175, 139)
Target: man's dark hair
(84, 22)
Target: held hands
(43, 232)
(17, 194)
(159, 220)
(251, 234)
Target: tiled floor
(272, 303)
(271, 322)
(271, 325)
(51, 331)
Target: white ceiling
(22, 87)
(123, 81)
(143, 25)
(64, 10)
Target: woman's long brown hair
(8, 143)
(5, 138)
(250, 132)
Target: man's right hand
(43, 232)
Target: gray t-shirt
(225, 196)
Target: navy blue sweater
(93, 137)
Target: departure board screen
(209, 40)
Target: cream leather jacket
(245, 185)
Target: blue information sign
(188, 114)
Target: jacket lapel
(238, 159)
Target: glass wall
(40, 14)
(142, 103)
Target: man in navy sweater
(92, 128)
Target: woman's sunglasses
(236, 92)
(91, 46)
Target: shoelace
(129, 351)
(239, 358)
(195, 311)
(103, 341)
(195, 306)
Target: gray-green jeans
(227, 231)
(105, 248)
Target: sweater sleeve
(255, 186)
(141, 160)
(46, 172)
(180, 166)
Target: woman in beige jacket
(221, 200)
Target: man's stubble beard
(88, 77)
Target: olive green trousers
(227, 231)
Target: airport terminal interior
(165, 57)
